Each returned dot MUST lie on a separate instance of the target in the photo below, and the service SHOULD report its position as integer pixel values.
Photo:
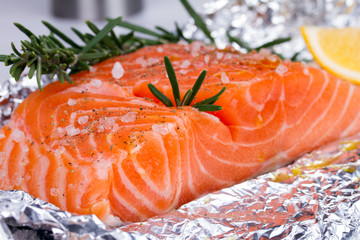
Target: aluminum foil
(260, 21)
(316, 197)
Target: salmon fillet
(106, 146)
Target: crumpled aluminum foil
(316, 197)
(260, 21)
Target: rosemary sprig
(197, 20)
(246, 46)
(205, 105)
(48, 55)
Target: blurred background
(65, 14)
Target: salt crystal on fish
(219, 55)
(152, 61)
(71, 102)
(128, 117)
(83, 119)
(61, 132)
(207, 59)
(101, 128)
(183, 72)
(84, 131)
(195, 48)
(60, 150)
(141, 61)
(72, 116)
(272, 58)
(228, 56)
(160, 49)
(117, 71)
(72, 131)
(2, 157)
(107, 122)
(96, 83)
(265, 52)
(163, 129)
(281, 69)
(93, 69)
(224, 78)
(53, 192)
(17, 135)
(2, 135)
(185, 64)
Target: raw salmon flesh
(106, 146)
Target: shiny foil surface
(315, 197)
(260, 21)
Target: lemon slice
(336, 49)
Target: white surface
(30, 13)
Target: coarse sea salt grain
(281, 69)
(207, 59)
(2, 135)
(61, 132)
(93, 69)
(224, 78)
(183, 71)
(273, 58)
(107, 122)
(219, 55)
(117, 70)
(195, 48)
(72, 116)
(17, 135)
(83, 119)
(265, 52)
(128, 117)
(160, 49)
(96, 83)
(185, 64)
(152, 61)
(60, 150)
(71, 102)
(101, 128)
(163, 129)
(72, 131)
(84, 131)
(141, 61)
(53, 192)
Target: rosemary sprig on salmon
(48, 55)
(205, 105)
